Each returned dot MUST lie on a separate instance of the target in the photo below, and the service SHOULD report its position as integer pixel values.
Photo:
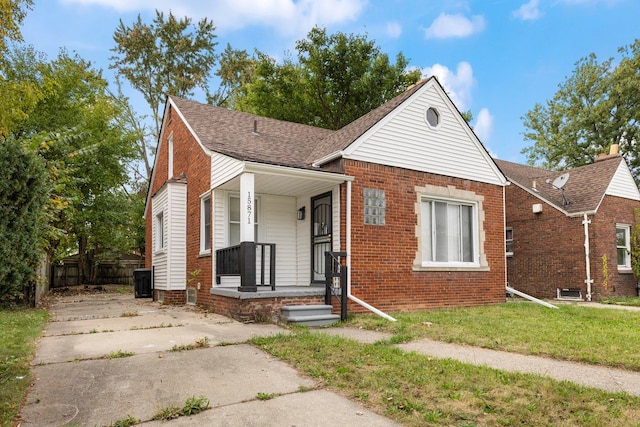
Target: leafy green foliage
(336, 79)
(595, 107)
(23, 195)
(193, 405)
(167, 57)
(12, 13)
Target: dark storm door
(321, 228)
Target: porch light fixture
(301, 213)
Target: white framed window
(159, 235)
(170, 154)
(205, 224)
(508, 240)
(432, 117)
(449, 230)
(234, 219)
(623, 246)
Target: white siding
(622, 184)
(303, 242)
(278, 225)
(177, 236)
(159, 257)
(223, 168)
(404, 139)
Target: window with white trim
(159, 231)
(205, 224)
(449, 233)
(623, 246)
(508, 240)
(234, 219)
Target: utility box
(142, 283)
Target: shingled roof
(584, 190)
(260, 139)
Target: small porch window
(205, 224)
(159, 232)
(234, 219)
(623, 246)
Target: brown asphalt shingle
(584, 190)
(279, 142)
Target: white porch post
(247, 208)
(247, 234)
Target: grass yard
(592, 335)
(416, 390)
(19, 330)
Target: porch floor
(266, 292)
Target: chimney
(613, 150)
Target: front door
(321, 228)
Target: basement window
(191, 296)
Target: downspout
(348, 238)
(588, 280)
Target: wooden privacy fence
(118, 272)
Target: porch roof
(286, 181)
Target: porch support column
(247, 234)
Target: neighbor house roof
(255, 138)
(583, 192)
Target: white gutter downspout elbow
(348, 238)
(588, 280)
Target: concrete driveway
(80, 380)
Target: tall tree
(598, 105)
(12, 13)
(236, 70)
(336, 79)
(74, 127)
(167, 57)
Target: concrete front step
(310, 315)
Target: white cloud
(528, 11)
(288, 17)
(483, 126)
(394, 29)
(446, 26)
(457, 84)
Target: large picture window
(623, 246)
(449, 230)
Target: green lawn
(19, 330)
(592, 335)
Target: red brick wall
(612, 211)
(549, 247)
(190, 159)
(260, 309)
(382, 257)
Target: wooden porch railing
(229, 262)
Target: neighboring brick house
(407, 191)
(571, 243)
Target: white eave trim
(294, 172)
(328, 158)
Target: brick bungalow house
(407, 191)
(572, 240)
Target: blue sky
(496, 58)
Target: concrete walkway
(80, 380)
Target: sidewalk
(610, 379)
(77, 383)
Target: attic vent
(433, 117)
(255, 128)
